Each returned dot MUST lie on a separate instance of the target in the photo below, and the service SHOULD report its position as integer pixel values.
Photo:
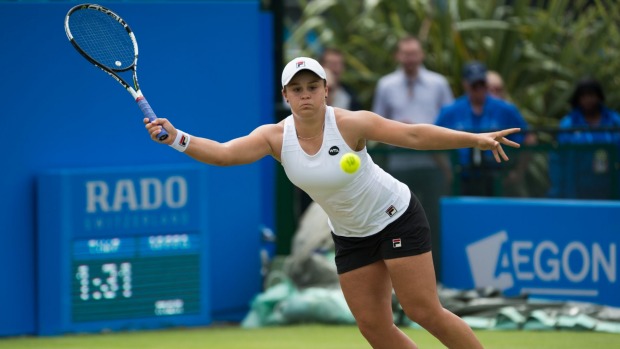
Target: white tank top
(358, 204)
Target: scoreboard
(122, 248)
(150, 275)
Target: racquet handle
(148, 112)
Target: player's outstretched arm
(430, 137)
(239, 151)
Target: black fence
(544, 167)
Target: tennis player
(379, 228)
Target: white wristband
(181, 142)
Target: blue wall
(197, 66)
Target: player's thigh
(368, 292)
(413, 279)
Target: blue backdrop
(206, 66)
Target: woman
(587, 172)
(379, 228)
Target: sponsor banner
(553, 249)
(133, 200)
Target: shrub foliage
(540, 47)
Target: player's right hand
(155, 127)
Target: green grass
(298, 337)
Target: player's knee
(424, 316)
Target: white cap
(301, 63)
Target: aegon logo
(134, 195)
(497, 262)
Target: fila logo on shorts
(391, 210)
(396, 243)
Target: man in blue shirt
(588, 172)
(478, 111)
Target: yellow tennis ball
(350, 162)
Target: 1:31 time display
(116, 281)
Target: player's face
(306, 92)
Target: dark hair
(584, 86)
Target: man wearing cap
(378, 226)
(478, 111)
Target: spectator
(586, 172)
(478, 111)
(341, 95)
(411, 94)
(332, 85)
(518, 183)
(414, 95)
(495, 84)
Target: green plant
(540, 48)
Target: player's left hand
(493, 141)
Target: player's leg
(368, 292)
(406, 250)
(413, 279)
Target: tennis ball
(350, 162)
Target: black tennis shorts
(409, 235)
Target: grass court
(299, 337)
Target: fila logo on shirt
(396, 243)
(391, 210)
(334, 150)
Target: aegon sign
(497, 261)
(551, 249)
(143, 194)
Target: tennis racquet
(105, 40)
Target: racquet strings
(103, 38)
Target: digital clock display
(135, 277)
